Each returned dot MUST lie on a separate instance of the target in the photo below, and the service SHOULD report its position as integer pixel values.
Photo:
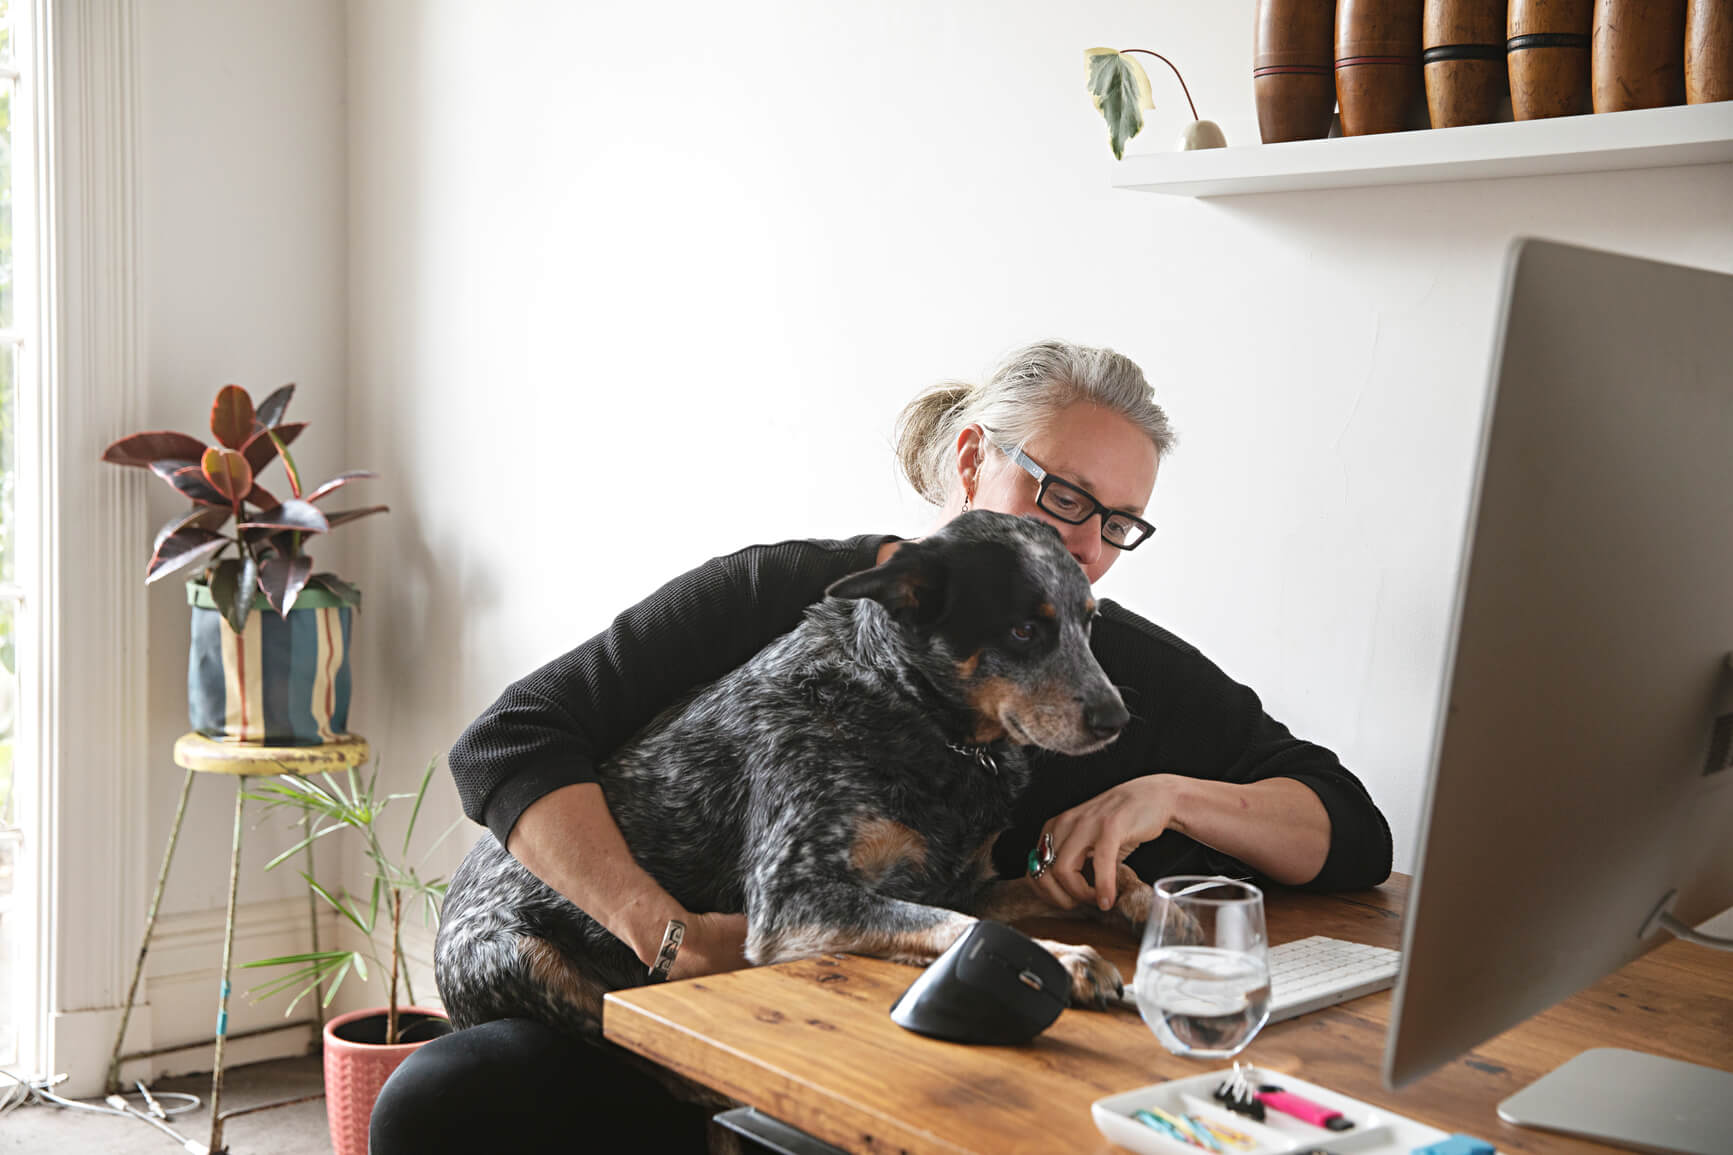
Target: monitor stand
(1630, 1099)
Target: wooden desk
(812, 1044)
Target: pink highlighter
(1304, 1110)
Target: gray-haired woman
(1201, 781)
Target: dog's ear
(911, 585)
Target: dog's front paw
(1094, 980)
(1135, 897)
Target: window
(17, 912)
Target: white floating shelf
(1646, 138)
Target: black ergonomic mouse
(995, 985)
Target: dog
(843, 788)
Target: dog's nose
(1105, 717)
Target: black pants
(515, 1085)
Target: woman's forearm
(1277, 827)
(570, 841)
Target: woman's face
(1085, 444)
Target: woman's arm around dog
(527, 766)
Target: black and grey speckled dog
(832, 788)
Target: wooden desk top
(812, 1044)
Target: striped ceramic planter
(280, 682)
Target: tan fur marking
(1089, 606)
(1047, 610)
(988, 698)
(966, 667)
(881, 845)
(982, 860)
(561, 979)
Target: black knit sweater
(551, 728)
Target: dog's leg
(827, 918)
(1013, 899)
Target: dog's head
(997, 614)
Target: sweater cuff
(517, 793)
(1360, 847)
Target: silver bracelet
(671, 940)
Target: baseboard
(177, 999)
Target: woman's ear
(967, 458)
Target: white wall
(242, 217)
(632, 285)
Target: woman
(1201, 780)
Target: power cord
(23, 1092)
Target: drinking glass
(1203, 975)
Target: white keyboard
(1312, 973)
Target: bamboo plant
(325, 808)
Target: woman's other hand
(713, 943)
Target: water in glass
(1203, 976)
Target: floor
(296, 1130)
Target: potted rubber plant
(361, 1048)
(269, 660)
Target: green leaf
(337, 588)
(1120, 89)
(415, 811)
(293, 850)
(226, 589)
(308, 956)
(341, 909)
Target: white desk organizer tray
(1375, 1131)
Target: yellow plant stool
(199, 754)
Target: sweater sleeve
(551, 728)
(1210, 726)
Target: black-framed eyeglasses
(1074, 505)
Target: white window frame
(82, 683)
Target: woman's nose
(1084, 542)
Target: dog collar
(983, 755)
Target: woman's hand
(713, 943)
(1100, 834)
(1276, 826)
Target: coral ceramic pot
(356, 1069)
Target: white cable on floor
(25, 1091)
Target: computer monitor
(1582, 765)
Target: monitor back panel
(1571, 785)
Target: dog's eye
(1024, 632)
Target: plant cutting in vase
(1120, 88)
(361, 1048)
(222, 482)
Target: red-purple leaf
(146, 449)
(232, 416)
(182, 549)
(282, 579)
(270, 411)
(291, 514)
(189, 478)
(260, 449)
(211, 517)
(261, 498)
(228, 473)
(338, 588)
(339, 482)
(341, 516)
